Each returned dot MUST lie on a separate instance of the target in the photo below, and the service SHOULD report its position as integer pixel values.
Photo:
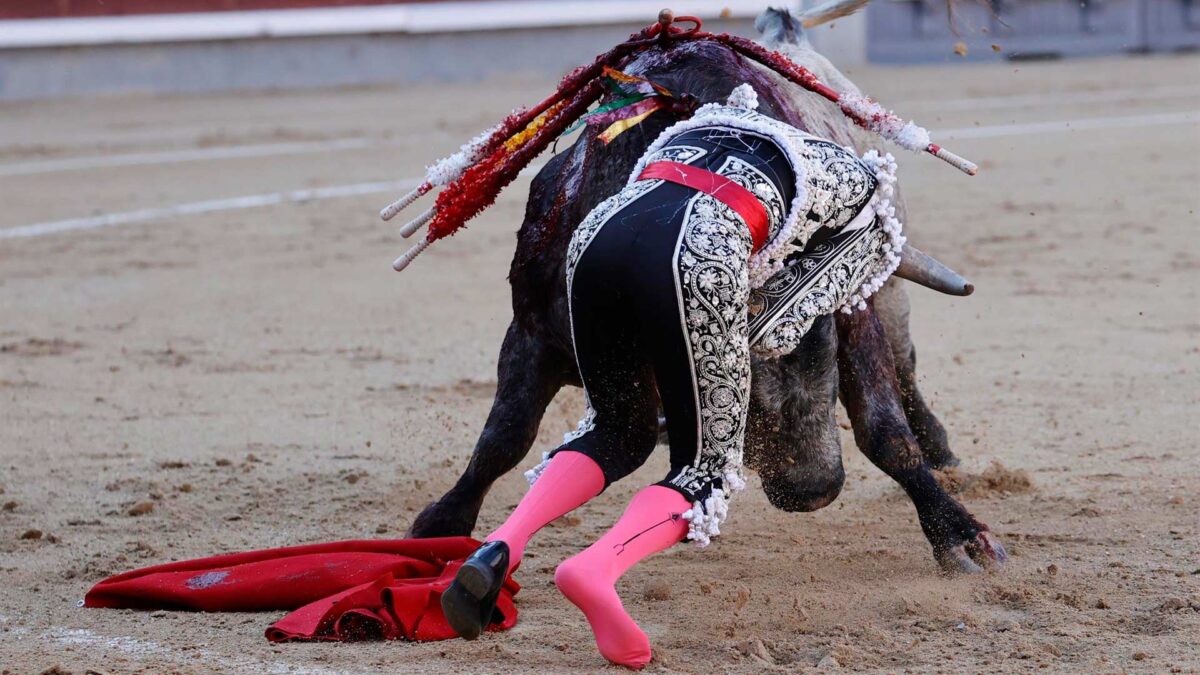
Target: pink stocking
(569, 481)
(653, 522)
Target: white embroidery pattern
(819, 283)
(713, 290)
(887, 258)
(790, 238)
(831, 275)
(752, 178)
(841, 184)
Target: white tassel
(417, 223)
(399, 205)
(447, 170)
(536, 472)
(410, 255)
(885, 174)
(442, 172)
(705, 518)
(743, 96)
(885, 122)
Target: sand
(205, 383)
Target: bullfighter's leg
(892, 306)
(682, 261)
(872, 398)
(793, 440)
(529, 373)
(616, 434)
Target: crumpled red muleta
(341, 591)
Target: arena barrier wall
(456, 41)
(917, 31)
(393, 44)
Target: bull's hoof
(973, 556)
(441, 520)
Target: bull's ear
(778, 26)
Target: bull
(866, 358)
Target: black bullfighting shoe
(471, 598)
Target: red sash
(736, 197)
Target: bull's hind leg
(872, 398)
(891, 303)
(793, 440)
(529, 374)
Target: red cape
(347, 590)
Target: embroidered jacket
(793, 283)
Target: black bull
(865, 358)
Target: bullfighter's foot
(974, 555)
(443, 520)
(470, 600)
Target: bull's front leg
(529, 373)
(871, 394)
(892, 307)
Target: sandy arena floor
(255, 371)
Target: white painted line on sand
(189, 155)
(209, 206)
(1060, 126)
(357, 143)
(337, 191)
(217, 205)
(1059, 98)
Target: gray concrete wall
(306, 62)
(915, 31)
(842, 41)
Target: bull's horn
(824, 13)
(923, 269)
